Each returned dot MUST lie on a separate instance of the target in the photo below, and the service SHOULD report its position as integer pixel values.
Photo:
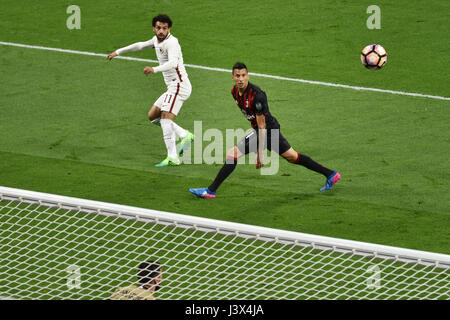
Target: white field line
(320, 83)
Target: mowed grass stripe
(328, 84)
(391, 189)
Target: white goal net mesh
(67, 248)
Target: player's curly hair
(164, 18)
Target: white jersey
(169, 56)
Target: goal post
(58, 247)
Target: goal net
(55, 247)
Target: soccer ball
(374, 56)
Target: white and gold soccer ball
(374, 56)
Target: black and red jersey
(253, 101)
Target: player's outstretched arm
(131, 48)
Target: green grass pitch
(76, 125)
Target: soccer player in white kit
(166, 108)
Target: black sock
(224, 172)
(309, 163)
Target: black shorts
(250, 143)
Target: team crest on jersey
(246, 104)
(161, 50)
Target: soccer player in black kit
(253, 103)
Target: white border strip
(320, 83)
(317, 242)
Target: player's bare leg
(154, 115)
(210, 192)
(296, 158)
(291, 155)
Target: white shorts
(177, 93)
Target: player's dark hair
(239, 66)
(148, 271)
(164, 18)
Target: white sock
(157, 121)
(169, 137)
(179, 131)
